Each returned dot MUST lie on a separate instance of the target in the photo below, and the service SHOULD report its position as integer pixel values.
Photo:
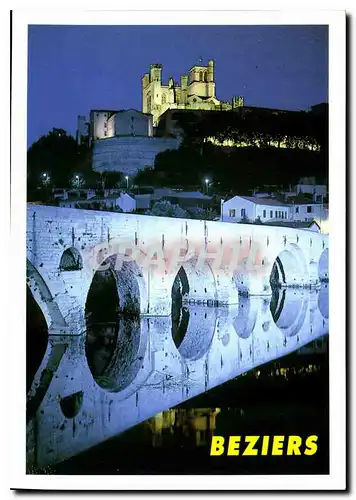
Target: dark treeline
(56, 160)
(258, 126)
(236, 169)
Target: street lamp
(127, 181)
(77, 181)
(45, 179)
(207, 185)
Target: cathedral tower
(196, 91)
(201, 81)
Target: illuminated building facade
(196, 91)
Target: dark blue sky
(73, 69)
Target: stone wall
(129, 154)
(219, 259)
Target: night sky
(73, 69)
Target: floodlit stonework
(129, 154)
(146, 253)
(195, 91)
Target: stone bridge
(72, 406)
(212, 262)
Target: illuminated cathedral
(196, 92)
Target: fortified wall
(129, 154)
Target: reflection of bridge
(214, 261)
(72, 407)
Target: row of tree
(237, 170)
(258, 127)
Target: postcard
(181, 254)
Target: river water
(146, 395)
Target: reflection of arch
(180, 322)
(70, 405)
(290, 267)
(36, 337)
(245, 321)
(323, 301)
(323, 266)
(115, 353)
(288, 310)
(43, 297)
(199, 332)
(71, 260)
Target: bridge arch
(43, 297)
(131, 285)
(195, 282)
(289, 267)
(71, 260)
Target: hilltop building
(122, 141)
(195, 92)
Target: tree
(59, 156)
(202, 213)
(167, 209)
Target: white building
(304, 209)
(240, 208)
(307, 185)
(126, 202)
(105, 124)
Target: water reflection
(187, 425)
(136, 369)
